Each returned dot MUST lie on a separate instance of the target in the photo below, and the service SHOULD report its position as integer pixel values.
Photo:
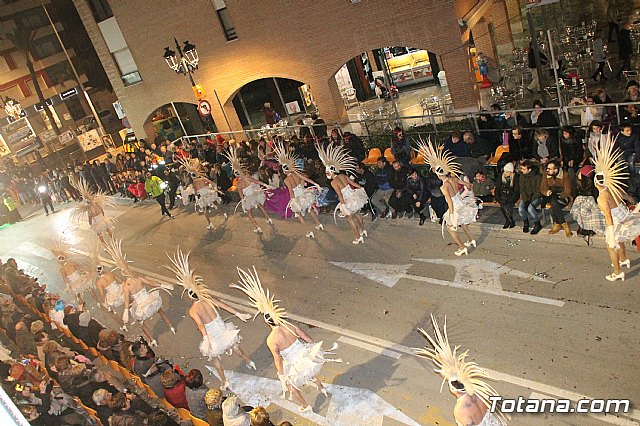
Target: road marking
(607, 418)
(35, 250)
(369, 347)
(346, 406)
(242, 303)
(471, 274)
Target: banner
(89, 140)
(21, 139)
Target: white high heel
(614, 277)
(320, 227)
(471, 243)
(462, 251)
(269, 221)
(225, 215)
(225, 386)
(153, 343)
(210, 226)
(324, 392)
(358, 241)
(258, 230)
(251, 364)
(310, 235)
(626, 263)
(364, 234)
(173, 330)
(306, 409)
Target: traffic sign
(204, 107)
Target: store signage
(204, 107)
(130, 138)
(48, 136)
(39, 106)
(21, 139)
(66, 137)
(117, 106)
(68, 93)
(89, 140)
(4, 148)
(107, 141)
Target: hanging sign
(204, 107)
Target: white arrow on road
(347, 406)
(471, 274)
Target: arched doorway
(290, 99)
(176, 119)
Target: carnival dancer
(201, 187)
(144, 304)
(303, 200)
(251, 191)
(352, 196)
(298, 359)
(463, 208)
(72, 275)
(621, 224)
(218, 336)
(465, 379)
(92, 207)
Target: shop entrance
(177, 119)
(272, 99)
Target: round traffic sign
(204, 107)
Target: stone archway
(173, 120)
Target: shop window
(59, 73)
(44, 47)
(32, 19)
(100, 9)
(75, 108)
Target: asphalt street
(535, 311)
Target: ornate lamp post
(186, 62)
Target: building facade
(54, 75)
(241, 41)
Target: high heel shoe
(306, 409)
(471, 243)
(364, 234)
(462, 251)
(258, 230)
(358, 241)
(226, 386)
(324, 392)
(251, 365)
(320, 227)
(615, 277)
(269, 221)
(310, 235)
(626, 263)
(153, 343)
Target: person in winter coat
(629, 144)
(571, 152)
(418, 193)
(507, 193)
(545, 146)
(530, 196)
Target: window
(225, 19)
(59, 73)
(32, 19)
(41, 83)
(45, 46)
(128, 67)
(100, 9)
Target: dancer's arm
(196, 319)
(101, 291)
(257, 182)
(150, 283)
(334, 185)
(220, 304)
(277, 358)
(306, 179)
(352, 183)
(301, 334)
(289, 188)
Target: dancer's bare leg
(297, 395)
(146, 332)
(353, 227)
(218, 366)
(300, 218)
(359, 221)
(242, 354)
(264, 211)
(466, 230)
(165, 317)
(456, 239)
(615, 260)
(622, 253)
(314, 216)
(252, 219)
(206, 216)
(319, 384)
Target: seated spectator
(259, 417)
(101, 399)
(530, 196)
(145, 365)
(123, 415)
(400, 147)
(477, 147)
(588, 112)
(380, 199)
(507, 193)
(585, 209)
(399, 200)
(174, 389)
(418, 194)
(454, 144)
(233, 414)
(610, 113)
(571, 153)
(520, 145)
(437, 203)
(545, 146)
(213, 413)
(556, 189)
(195, 393)
(542, 117)
(629, 143)
(354, 145)
(483, 187)
(594, 138)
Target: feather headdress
(59, 247)
(336, 158)
(114, 248)
(89, 198)
(191, 283)
(441, 162)
(234, 160)
(454, 367)
(93, 266)
(286, 159)
(610, 169)
(263, 300)
(194, 167)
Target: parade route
(537, 313)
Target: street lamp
(186, 62)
